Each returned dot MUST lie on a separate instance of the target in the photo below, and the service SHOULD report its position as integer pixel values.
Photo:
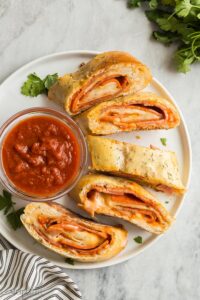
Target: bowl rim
(25, 114)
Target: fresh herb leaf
(164, 37)
(7, 195)
(133, 3)
(35, 86)
(168, 2)
(14, 218)
(3, 202)
(196, 2)
(183, 8)
(50, 80)
(152, 15)
(163, 141)
(187, 55)
(69, 261)
(8, 207)
(138, 239)
(153, 4)
(7, 204)
(168, 24)
(183, 61)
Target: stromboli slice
(70, 235)
(107, 75)
(154, 167)
(141, 111)
(122, 198)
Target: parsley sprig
(178, 21)
(12, 215)
(35, 86)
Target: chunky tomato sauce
(41, 156)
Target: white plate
(11, 101)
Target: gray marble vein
(169, 270)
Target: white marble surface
(29, 29)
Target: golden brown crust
(141, 111)
(107, 75)
(70, 235)
(154, 167)
(122, 198)
(105, 61)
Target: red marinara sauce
(41, 156)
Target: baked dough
(122, 198)
(70, 235)
(107, 75)
(151, 166)
(141, 111)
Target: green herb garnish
(138, 239)
(69, 261)
(133, 3)
(12, 215)
(49, 80)
(178, 21)
(35, 86)
(163, 141)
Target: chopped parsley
(138, 239)
(12, 215)
(69, 261)
(138, 137)
(35, 86)
(163, 141)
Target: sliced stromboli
(141, 111)
(152, 166)
(122, 198)
(70, 235)
(107, 75)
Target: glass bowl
(64, 118)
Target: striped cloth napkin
(30, 277)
